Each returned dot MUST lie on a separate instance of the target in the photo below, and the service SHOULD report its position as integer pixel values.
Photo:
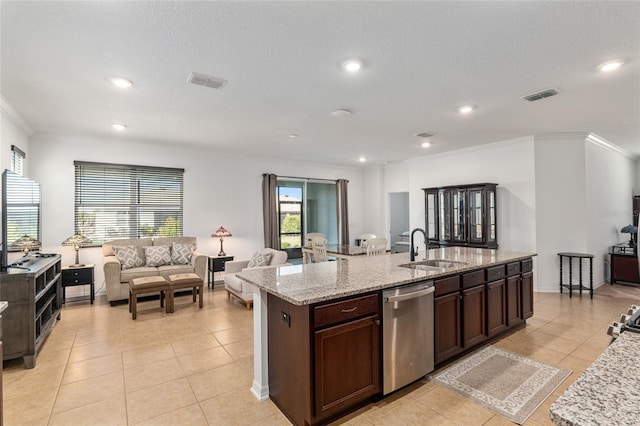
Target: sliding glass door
(305, 206)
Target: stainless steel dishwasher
(407, 334)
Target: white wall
(219, 190)
(13, 131)
(609, 183)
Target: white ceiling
(282, 61)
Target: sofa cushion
(143, 271)
(128, 257)
(167, 270)
(181, 253)
(107, 247)
(157, 255)
(259, 259)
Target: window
(123, 201)
(304, 206)
(21, 209)
(17, 160)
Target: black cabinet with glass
(461, 215)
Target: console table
(624, 264)
(570, 285)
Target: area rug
(506, 383)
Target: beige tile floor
(194, 367)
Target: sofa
(267, 258)
(119, 268)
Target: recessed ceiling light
(352, 65)
(341, 113)
(610, 65)
(466, 109)
(425, 144)
(118, 126)
(121, 82)
(293, 135)
(362, 159)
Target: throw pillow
(128, 257)
(181, 253)
(259, 259)
(157, 255)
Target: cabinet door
(514, 310)
(476, 216)
(625, 268)
(431, 215)
(459, 215)
(527, 295)
(347, 365)
(444, 214)
(491, 222)
(473, 316)
(496, 307)
(448, 339)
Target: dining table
(340, 251)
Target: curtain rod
(306, 178)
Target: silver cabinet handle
(346, 311)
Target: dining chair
(376, 246)
(364, 238)
(319, 248)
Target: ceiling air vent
(426, 134)
(206, 81)
(541, 95)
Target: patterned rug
(506, 383)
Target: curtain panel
(342, 203)
(270, 210)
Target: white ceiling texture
(282, 61)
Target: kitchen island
(323, 321)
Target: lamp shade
(77, 240)
(629, 229)
(26, 243)
(221, 232)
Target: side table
(216, 264)
(570, 286)
(78, 275)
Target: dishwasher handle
(408, 296)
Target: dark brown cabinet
(34, 294)
(461, 215)
(324, 358)
(496, 307)
(479, 305)
(624, 264)
(448, 331)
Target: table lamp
(77, 241)
(633, 230)
(26, 243)
(221, 233)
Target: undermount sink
(434, 264)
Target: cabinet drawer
(447, 285)
(496, 272)
(72, 276)
(334, 313)
(527, 265)
(473, 278)
(513, 269)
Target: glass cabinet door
(444, 214)
(492, 223)
(458, 215)
(476, 214)
(431, 211)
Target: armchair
(241, 289)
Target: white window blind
(17, 160)
(124, 201)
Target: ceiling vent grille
(426, 134)
(541, 95)
(206, 81)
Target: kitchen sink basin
(434, 264)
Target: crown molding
(10, 112)
(597, 140)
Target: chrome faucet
(413, 254)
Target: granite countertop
(608, 392)
(317, 282)
(3, 305)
